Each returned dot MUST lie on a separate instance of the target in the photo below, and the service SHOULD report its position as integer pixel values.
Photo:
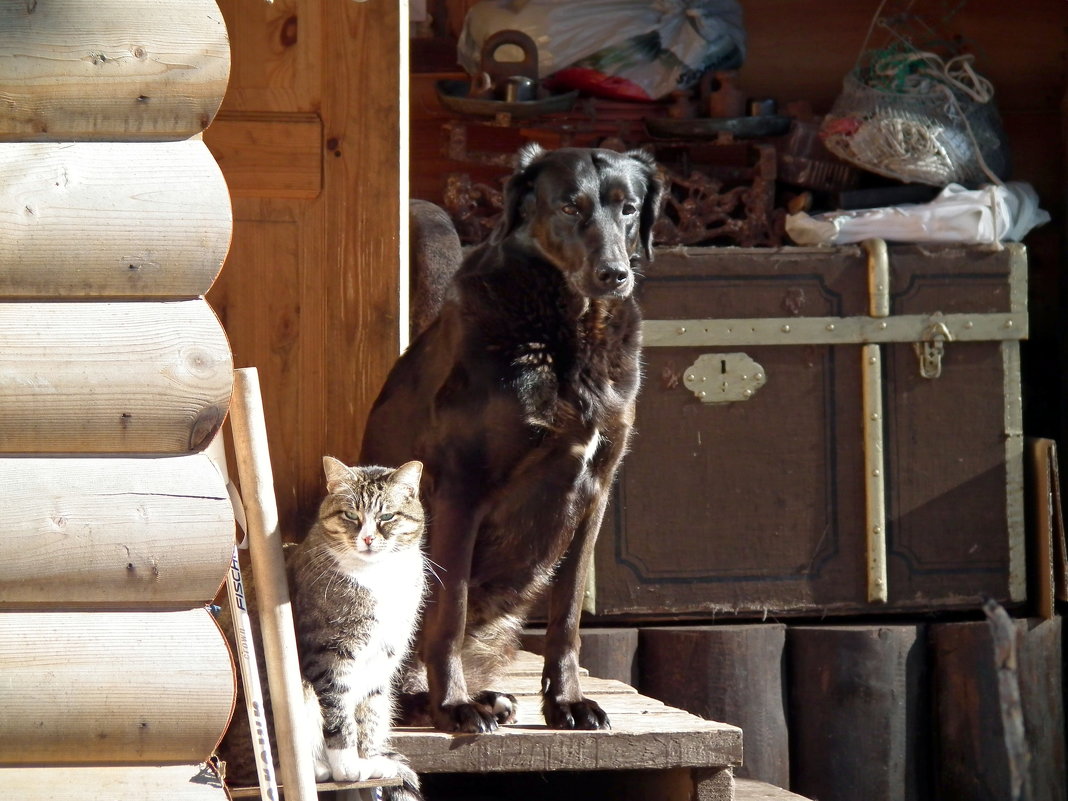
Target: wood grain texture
(310, 292)
(857, 707)
(122, 783)
(269, 155)
(361, 276)
(113, 532)
(112, 687)
(729, 673)
(110, 69)
(973, 761)
(112, 377)
(753, 790)
(645, 734)
(109, 219)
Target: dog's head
(588, 211)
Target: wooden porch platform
(652, 751)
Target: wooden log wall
(729, 673)
(116, 529)
(904, 712)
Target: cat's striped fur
(356, 584)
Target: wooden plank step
(645, 734)
(753, 790)
(320, 787)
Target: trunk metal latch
(931, 348)
(724, 377)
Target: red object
(597, 83)
(840, 126)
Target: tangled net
(913, 116)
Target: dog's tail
(435, 257)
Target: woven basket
(937, 137)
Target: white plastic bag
(654, 46)
(969, 216)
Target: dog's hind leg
(436, 254)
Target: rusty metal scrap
(696, 210)
(705, 204)
(701, 210)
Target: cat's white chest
(396, 584)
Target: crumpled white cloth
(969, 216)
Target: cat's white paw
(346, 765)
(380, 767)
(323, 772)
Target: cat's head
(369, 512)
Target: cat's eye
(386, 517)
(351, 515)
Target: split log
(97, 783)
(113, 687)
(113, 532)
(728, 673)
(611, 654)
(973, 758)
(606, 653)
(110, 69)
(112, 377)
(857, 712)
(109, 219)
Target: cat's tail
(408, 790)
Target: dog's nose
(610, 275)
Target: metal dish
(454, 95)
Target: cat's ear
(336, 473)
(407, 477)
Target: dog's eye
(570, 208)
(629, 208)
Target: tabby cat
(356, 584)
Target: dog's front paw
(504, 705)
(469, 718)
(582, 714)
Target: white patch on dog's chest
(585, 452)
(534, 354)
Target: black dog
(519, 399)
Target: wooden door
(312, 140)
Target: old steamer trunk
(822, 431)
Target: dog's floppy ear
(528, 154)
(654, 190)
(519, 184)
